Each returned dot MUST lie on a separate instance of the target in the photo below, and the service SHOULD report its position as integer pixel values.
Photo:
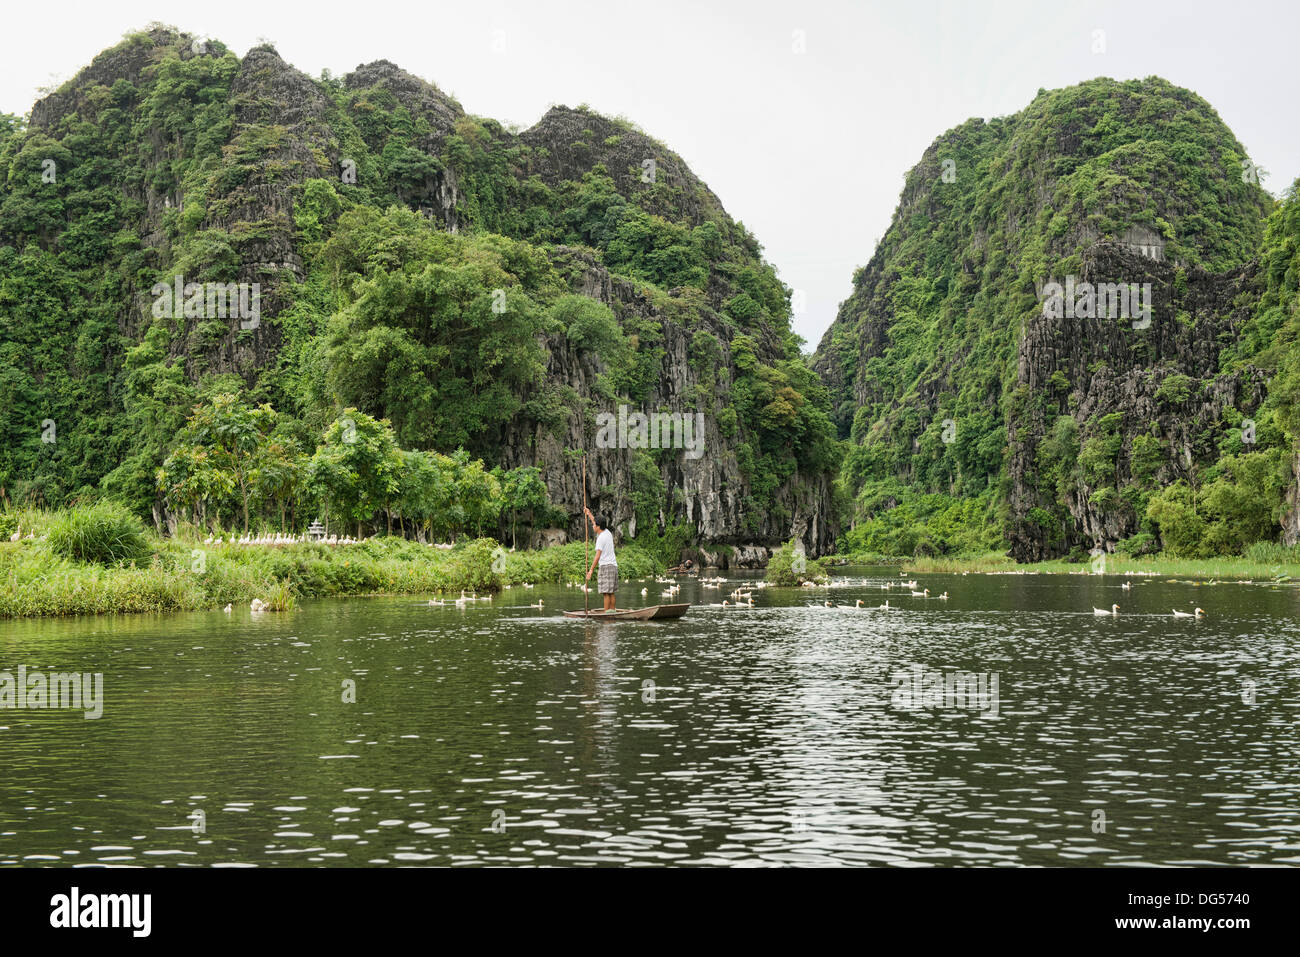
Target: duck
(857, 605)
(257, 605)
(228, 609)
(539, 604)
(943, 597)
(1126, 586)
(921, 594)
(434, 602)
(644, 592)
(1101, 612)
(885, 606)
(1189, 614)
(828, 603)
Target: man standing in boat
(607, 581)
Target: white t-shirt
(605, 545)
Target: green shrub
(104, 533)
(1143, 543)
(1173, 512)
(279, 596)
(788, 567)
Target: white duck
(1102, 612)
(1126, 586)
(539, 604)
(921, 594)
(1186, 614)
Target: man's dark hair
(600, 521)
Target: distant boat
(652, 613)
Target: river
(783, 733)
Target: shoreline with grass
(1261, 562)
(100, 560)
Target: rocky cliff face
(710, 492)
(1163, 380)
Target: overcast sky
(803, 117)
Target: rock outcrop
(1088, 368)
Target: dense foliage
(403, 333)
(922, 360)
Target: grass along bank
(1261, 562)
(54, 572)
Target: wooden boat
(652, 613)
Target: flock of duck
(1114, 612)
(464, 600)
(743, 596)
(282, 539)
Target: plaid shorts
(607, 578)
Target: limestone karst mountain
(480, 288)
(980, 417)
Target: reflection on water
(764, 735)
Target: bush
(1273, 553)
(104, 533)
(789, 567)
(1143, 543)
(279, 596)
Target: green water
(763, 735)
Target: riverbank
(182, 574)
(1266, 564)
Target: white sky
(807, 149)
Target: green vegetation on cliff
(423, 270)
(972, 424)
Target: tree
(356, 468)
(522, 490)
(217, 452)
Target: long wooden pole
(585, 593)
